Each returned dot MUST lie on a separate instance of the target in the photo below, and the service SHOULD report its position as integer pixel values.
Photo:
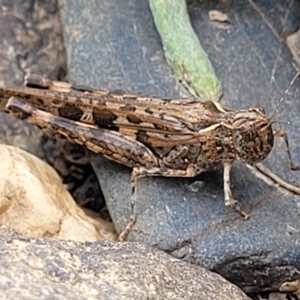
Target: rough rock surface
(40, 269)
(31, 40)
(34, 201)
(107, 48)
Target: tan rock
(34, 201)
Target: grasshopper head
(252, 135)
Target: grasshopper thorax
(252, 135)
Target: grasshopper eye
(253, 141)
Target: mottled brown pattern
(70, 112)
(156, 137)
(103, 117)
(128, 108)
(133, 120)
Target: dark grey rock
(126, 52)
(31, 41)
(41, 269)
(114, 44)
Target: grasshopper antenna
(284, 94)
(277, 121)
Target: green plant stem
(183, 50)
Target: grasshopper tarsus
(237, 208)
(125, 232)
(294, 167)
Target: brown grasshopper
(155, 137)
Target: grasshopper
(153, 136)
